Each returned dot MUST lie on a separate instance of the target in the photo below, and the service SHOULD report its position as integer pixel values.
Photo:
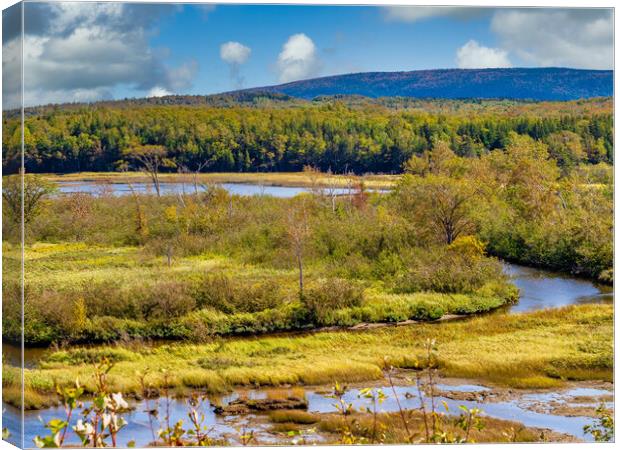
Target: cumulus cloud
(472, 55)
(298, 59)
(158, 91)
(581, 38)
(82, 51)
(419, 13)
(234, 54)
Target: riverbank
(540, 349)
(289, 179)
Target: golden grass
(293, 416)
(296, 179)
(537, 349)
(67, 264)
(391, 425)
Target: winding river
(538, 289)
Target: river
(538, 289)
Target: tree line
(330, 135)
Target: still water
(118, 189)
(140, 430)
(539, 289)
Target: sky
(92, 51)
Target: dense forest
(246, 132)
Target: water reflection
(229, 427)
(541, 289)
(119, 189)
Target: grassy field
(530, 350)
(297, 179)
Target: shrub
(426, 311)
(106, 298)
(328, 295)
(451, 269)
(165, 300)
(227, 294)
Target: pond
(167, 188)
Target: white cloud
(472, 55)
(419, 13)
(581, 38)
(234, 52)
(158, 91)
(11, 74)
(179, 78)
(298, 59)
(82, 51)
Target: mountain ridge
(549, 83)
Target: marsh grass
(297, 179)
(495, 430)
(293, 417)
(529, 350)
(77, 293)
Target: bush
(329, 295)
(164, 300)
(451, 269)
(230, 295)
(106, 298)
(426, 311)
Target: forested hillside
(272, 133)
(548, 83)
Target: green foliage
(363, 137)
(23, 197)
(603, 429)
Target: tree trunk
(301, 276)
(156, 183)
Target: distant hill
(522, 84)
(390, 89)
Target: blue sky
(92, 51)
(347, 39)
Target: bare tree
(196, 172)
(314, 176)
(141, 219)
(298, 232)
(332, 189)
(151, 159)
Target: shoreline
(274, 179)
(320, 358)
(499, 405)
